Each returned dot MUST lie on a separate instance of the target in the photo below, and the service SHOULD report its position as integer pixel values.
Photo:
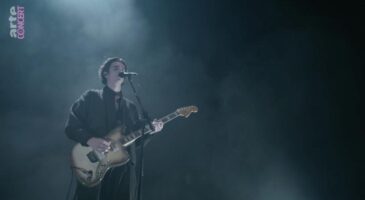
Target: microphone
(127, 74)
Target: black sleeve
(76, 128)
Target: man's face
(112, 76)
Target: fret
(169, 117)
(137, 134)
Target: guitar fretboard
(130, 138)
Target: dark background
(278, 85)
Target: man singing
(92, 116)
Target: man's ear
(105, 74)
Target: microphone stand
(145, 116)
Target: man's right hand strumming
(99, 144)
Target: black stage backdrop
(278, 84)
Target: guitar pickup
(92, 157)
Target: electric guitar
(90, 166)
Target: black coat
(93, 115)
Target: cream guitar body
(90, 166)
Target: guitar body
(90, 166)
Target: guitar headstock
(186, 111)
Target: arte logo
(17, 22)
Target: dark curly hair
(106, 66)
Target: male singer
(92, 116)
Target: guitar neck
(130, 138)
(169, 117)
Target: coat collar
(111, 93)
